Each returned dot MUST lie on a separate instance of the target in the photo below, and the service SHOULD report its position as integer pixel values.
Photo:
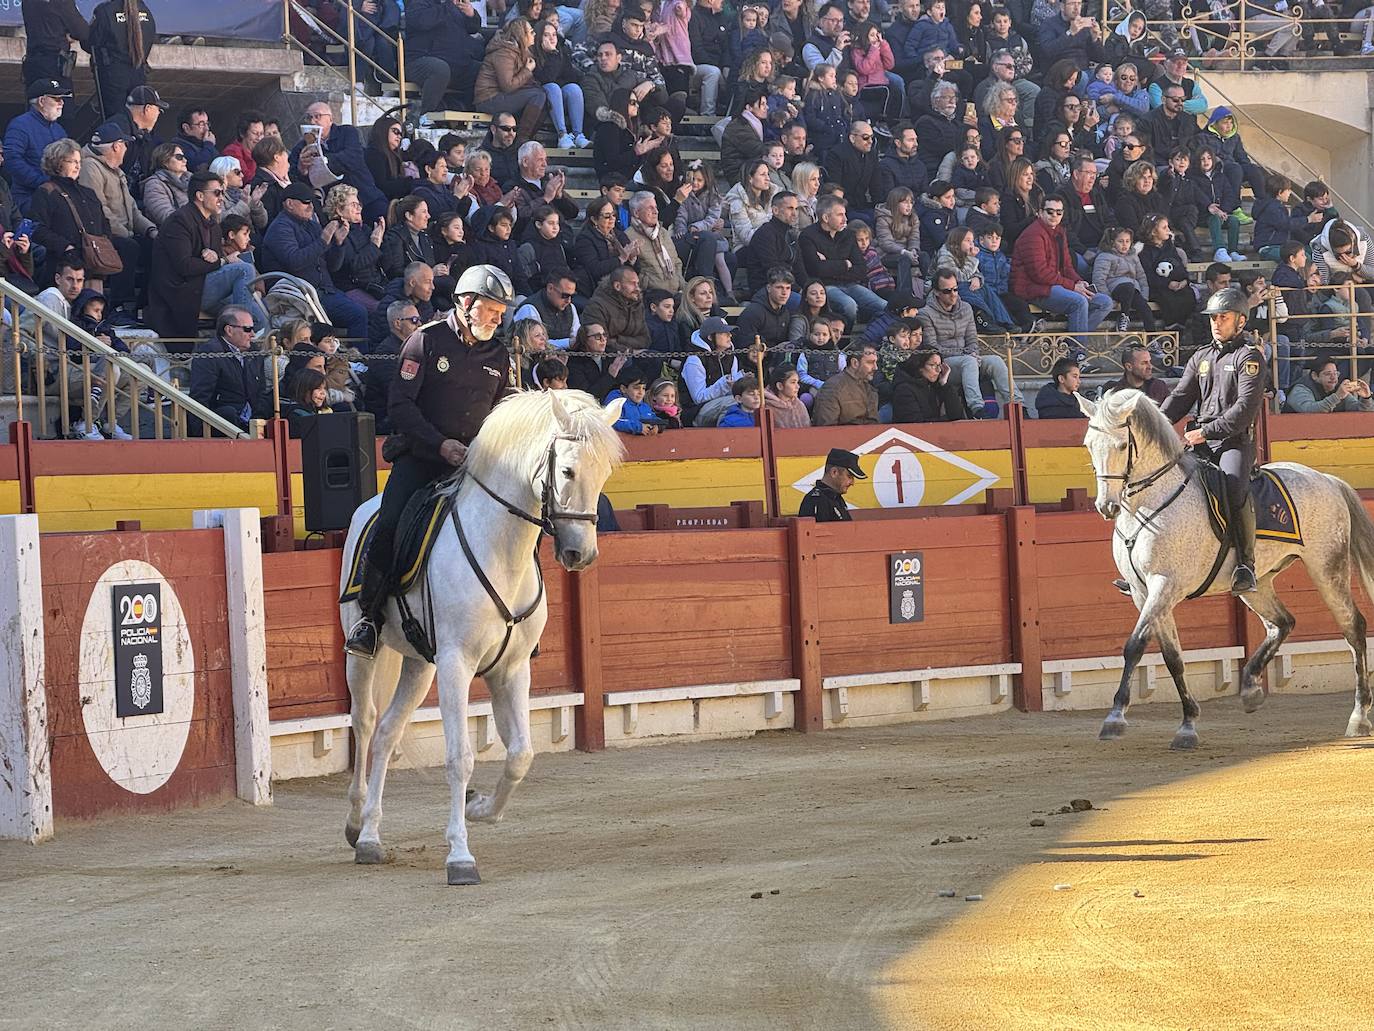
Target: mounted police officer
(824, 502)
(452, 372)
(1226, 380)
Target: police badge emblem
(1251, 368)
(1204, 367)
(442, 363)
(141, 682)
(908, 605)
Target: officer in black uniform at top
(824, 502)
(50, 27)
(1226, 380)
(451, 374)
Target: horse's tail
(1361, 535)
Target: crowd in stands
(894, 188)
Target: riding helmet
(1228, 298)
(485, 281)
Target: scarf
(658, 242)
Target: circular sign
(140, 753)
(898, 479)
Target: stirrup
(362, 639)
(1243, 580)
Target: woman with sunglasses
(590, 368)
(1011, 145)
(619, 145)
(383, 158)
(600, 247)
(165, 190)
(1132, 149)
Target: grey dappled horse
(1164, 547)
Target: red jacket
(1040, 260)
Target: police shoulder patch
(1204, 367)
(1251, 368)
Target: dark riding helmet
(1229, 298)
(485, 281)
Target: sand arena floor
(1228, 888)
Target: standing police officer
(1226, 380)
(824, 502)
(451, 374)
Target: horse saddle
(415, 536)
(1276, 516)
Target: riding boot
(1243, 540)
(363, 637)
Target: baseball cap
(48, 88)
(140, 95)
(713, 325)
(300, 192)
(1178, 52)
(839, 458)
(109, 132)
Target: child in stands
(748, 400)
(636, 418)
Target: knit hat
(1218, 115)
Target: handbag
(97, 250)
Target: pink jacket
(674, 46)
(873, 65)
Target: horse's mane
(1146, 419)
(515, 436)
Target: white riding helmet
(485, 281)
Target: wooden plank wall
(193, 563)
(967, 602)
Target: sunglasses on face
(1133, 146)
(1053, 211)
(413, 319)
(863, 135)
(216, 193)
(235, 325)
(1016, 139)
(947, 290)
(505, 128)
(178, 157)
(565, 295)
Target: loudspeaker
(338, 466)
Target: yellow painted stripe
(160, 500)
(1051, 471)
(693, 483)
(9, 497)
(1352, 459)
(938, 483)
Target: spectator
(748, 204)
(561, 81)
(122, 37)
(1290, 277)
(1043, 273)
(1274, 223)
(1169, 126)
(247, 134)
(296, 243)
(542, 248)
(796, 148)
(742, 140)
(938, 131)
(630, 34)
(767, 317)
(1020, 201)
(506, 83)
(871, 56)
(1137, 373)
(698, 303)
(1316, 210)
(1010, 146)
(139, 119)
(806, 183)
(535, 186)
(1213, 193)
(406, 239)
(600, 247)
(960, 253)
(355, 269)
(853, 164)
(829, 254)
(620, 144)
(826, 111)
(451, 251)
(246, 203)
(658, 265)
(235, 389)
(900, 166)
(308, 398)
(28, 135)
(922, 391)
(1117, 271)
(698, 227)
(748, 402)
(774, 244)
(849, 398)
(441, 196)
(937, 215)
(1087, 212)
(273, 174)
(1056, 398)
(783, 399)
(637, 418)
(50, 29)
(1070, 36)
(187, 250)
(231, 283)
(607, 77)
(384, 158)
(196, 140)
(165, 190)
(617, 305)
(343, 152)
(707, 32)
(492, 229)
(1139, 198)
(948, 325)
(829, 41)
(1322, 390)
(444, 50)
(590, 368)
(66, 213)
(1166, 268)
(987, 208)
(100, 173)
(708, 375)
(416, 285)
(824, 502)
(553, 308)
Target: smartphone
(970, 109)
(24, 228)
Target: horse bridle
(549, 511)
(1130, 486)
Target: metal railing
(65, 369)
(349, 41)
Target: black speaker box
(339, 467)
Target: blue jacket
(344, 149)
(827, 116)
(1051, 404)
(293, 246)
(735, 416)
(996, 269)
(926, 35)
(25, 138)
(198, 153)
(1273, 222)
(633, 417)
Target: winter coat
(198, 153)
(744, 217)
(556, 66)
(593, 258)
(936, 222)
(400, 247)
(56, 228)
(344, 151)
(623, 319)
(1051, 403)
(706, 376)
(827, 116)
(359, 262)
(928, 34)
(674, 46)
(894, 171)
(949, 332)
(436, 28)
(708, 33)
(1041, 260)
(1273, 223)
(889, 245)
(110, 186)
(633, 416)
(873, 65)
(996, 269)
(845, 400)
(293, 245)
(824, 257)
(698, 213)
(965, 268)
(613, 144)
(857, 172)
(735, 417)
(163, 193)
(787, 415)
(916, 399)
(503, 72)
(25, 139)
(936, 136)
(1110, 270)
(590, 372)
(739, 143)
(654, 270)
(377, 326)
(177, 280)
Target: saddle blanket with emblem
(415, 536)
(1276, 516)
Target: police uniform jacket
(1226, 381)
(825, 504)
(444, 389)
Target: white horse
(537, 466)
(1164, 547)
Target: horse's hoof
(351, 832)
(369, 853)
(1184, 741)
(1252, 700)
(479, 809)
(1112, 729)
(463, 873)
(1358, 727)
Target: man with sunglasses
(1043, 272)
(225, 377)
(188, 247)
(553, 307)
(499, 142)
(1169, 126)
(402, 319)
(854, 165)
(947, 325)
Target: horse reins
(549, 513)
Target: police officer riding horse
(452, 373)
(1226, 381)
